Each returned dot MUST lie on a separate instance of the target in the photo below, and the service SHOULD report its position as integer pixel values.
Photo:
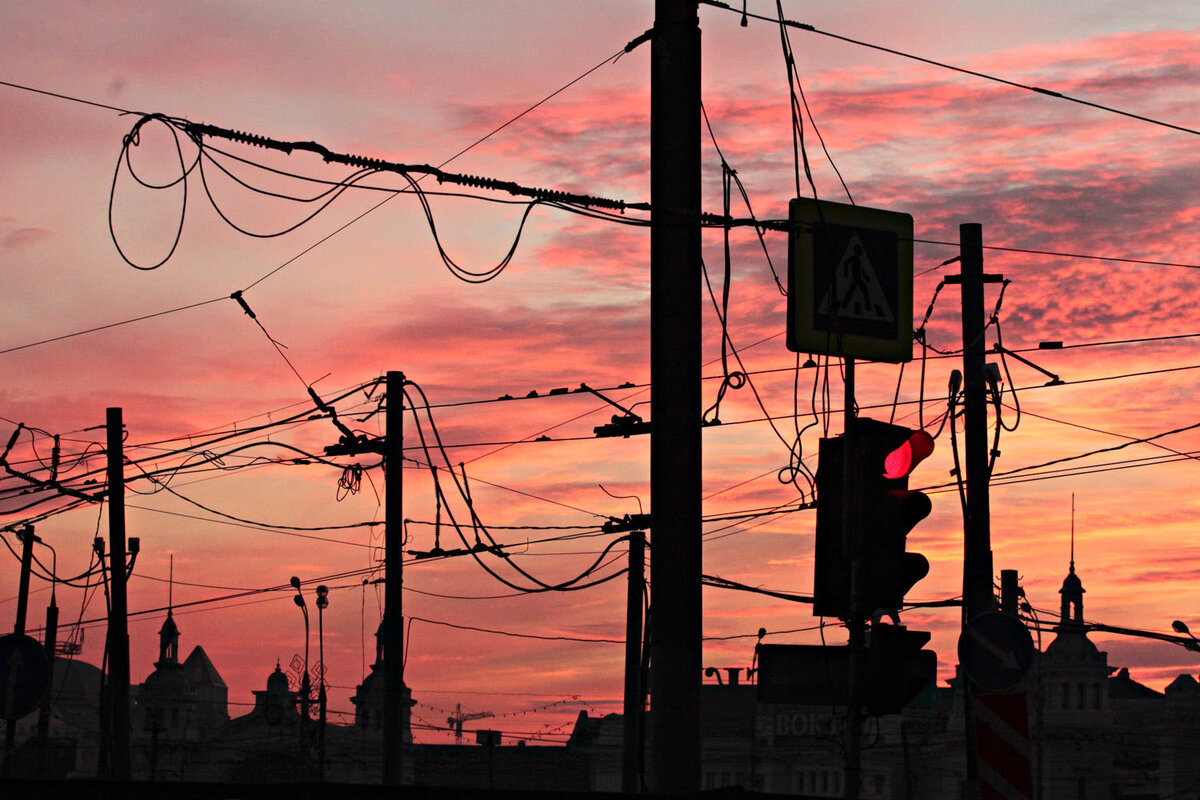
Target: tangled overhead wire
(484, 543)
(34, 487)
(201, 157)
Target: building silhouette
(1094, 732)
(179, 707)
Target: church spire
(1072, 589)
(1072, 531)
(168, 635)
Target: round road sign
(995, 650)
(24, 675)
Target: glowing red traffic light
(901, 461)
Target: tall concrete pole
(393, 616)
(978, 597)
(118, 616)
(977, 568)
(632, 752)
(675, 447)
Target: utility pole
(391, 628)
(675, 443)
(977, 568)
(26, 537)
(632, 750)
(118, 616)
(978, 597)
(393, 577)
(27, 541)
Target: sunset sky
(360, 290)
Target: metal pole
(51, 644)
(393, 616)
(118, 617)
(632, 752)
(321, 691)
(675, 443)
(305, 681)
(852, 516)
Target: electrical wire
(942, 65)
(518, 635)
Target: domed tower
(168, 642)
(278, 703)
(180, 701)
(1072, 597)
(1076, 717)
(368, 696)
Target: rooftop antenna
(171, 583)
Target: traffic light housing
(864, 514)
(898, 669)
(898, 672)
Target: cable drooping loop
(128, 142)
(729, 380)
(207, 155)
(920, 336)
(475, 549)
(758, 229)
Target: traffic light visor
(901, 461)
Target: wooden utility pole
(393, 616)
(118, 615)
(675, 442)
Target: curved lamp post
(305, 686)
(322, 604)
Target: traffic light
(898, 672)
(864, 514)
(898, 669)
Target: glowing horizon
(410, 83)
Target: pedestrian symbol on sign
(849, 281)
(854, 290)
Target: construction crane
(456, 722)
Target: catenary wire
(963, 70)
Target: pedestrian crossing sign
(849, 281)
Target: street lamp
(1179, 627)
(322, 604)
(305, 687)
